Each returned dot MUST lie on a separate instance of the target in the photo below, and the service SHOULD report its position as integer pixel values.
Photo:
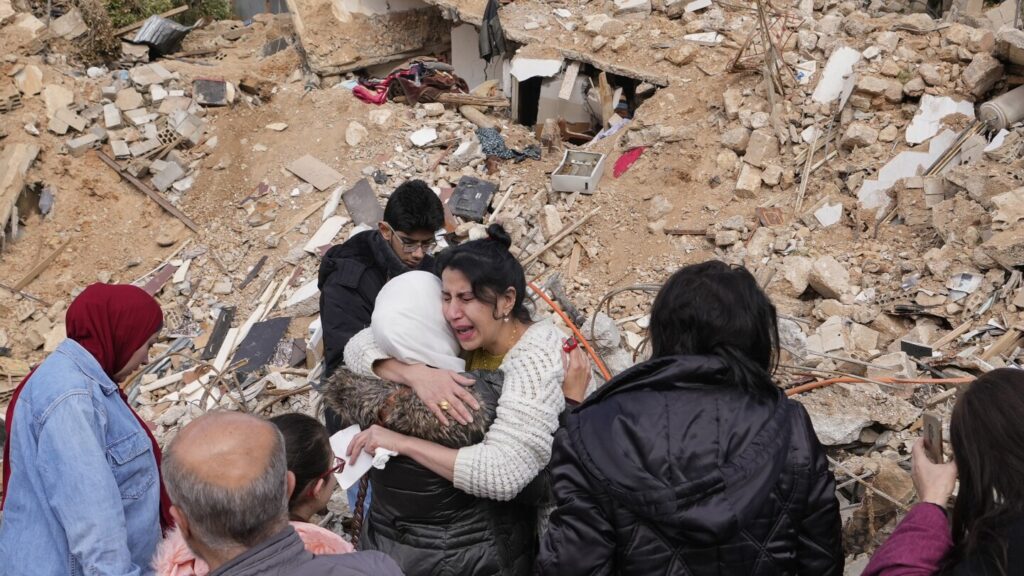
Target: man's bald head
(227, 473)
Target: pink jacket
(916, 547)
(173, 557)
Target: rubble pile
(874, 186)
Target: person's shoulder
(60, 375)
(364, 563)
(541, 334)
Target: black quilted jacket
(669, 469)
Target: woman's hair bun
(497, 233)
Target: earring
(508, 316)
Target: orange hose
(846, 380)
(579, 335)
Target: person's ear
(384, 230)
(291, 484)
(508, 300)
(320, 484)
(181, 522)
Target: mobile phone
(933, 436)
(570, 344)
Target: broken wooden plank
(157, 282)
(560, 236)
(569, 80)
(24, 295)
(156, 196)
(41, 266)
(220, 330)
(320, 175)
(254, 272)
(137, 25)
(574, 260)
(1004, 344)
(476, 116)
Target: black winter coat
(351, 276)
(419, 518)
(670, 469)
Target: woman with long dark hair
(987, 536)
(480, 305)
(694, 462)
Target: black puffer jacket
(669, 469)
(417, 517)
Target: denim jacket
(84, 488)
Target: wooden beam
(156, 196)
(560, 236)
(41, 266)
(137, 25)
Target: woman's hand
(375, 437)
(934, 482)
(444, 393)
(577, 374)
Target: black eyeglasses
(410, 246)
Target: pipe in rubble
(1004, 110)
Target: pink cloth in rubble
(917, 546)
(173, 557)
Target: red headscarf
(111, 321)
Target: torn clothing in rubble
(492, 37)
(421, 82)
(284, 553)
(492, 144)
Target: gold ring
(444, 405)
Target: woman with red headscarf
(82, 490)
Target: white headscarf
(408, 323)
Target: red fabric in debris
(111, 321)
(628, 158)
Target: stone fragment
(771, 175)
(120, 149)
(736, 139)
(892, 365)
(889, 133)
(128, 99)
(70, 25)
(598, 42)
(356, 133)
(796, 270)
(914, 88)
(725, 238)
(930, 74)
(79, 146)
(858, 134)
(682, 54)
(891, 90)
(749, 182)
(29, 80)
(112, 116)
(433, 109)
(658, 207)
(604, 25)
(829, 278)
(277, 126)
(733, 103)
(1006, 248)
(56, 98)
(170, 173)
(762, 147)
(838, 413)
(630, 7)
(981, 74)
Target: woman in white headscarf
(418, 517)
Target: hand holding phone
(933, 436)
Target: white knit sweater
(518, 444)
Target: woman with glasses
(313, 463)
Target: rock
(840, 412)
(726, 161)
(112, 117)
(796, 270)
(606, 332)
(277, 126)
(682, 54)
(862, 338)
(78, 146)
(829, 278)
(807, 40)
(29, 80)
(167, 176)
(222, 287)
(658, 207)
(749, 182)
(889, 133)
(433, 109)
(736, 139)
(70, 25)
(762, 147)
(619, 43)
(356, 133)
(858, 26)
(57, 98)
(128, 99)
(930, 74)
(981, 74)
(733, 103)
(1006, 248)
(598, 42)
(858, 134)
(725, 238)
(891, 90)
(624, 7)
(914, 88)
(604, 25)
(468, 151)
(771, 175)
(893, 365)
(379, 116)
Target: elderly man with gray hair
(228, 480)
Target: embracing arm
(81, 489)
(518, 444)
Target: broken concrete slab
(840, 412)
(320, 175)
(112, 116)
(982, 74)
(762, 147)
(749, 182)
(128, 99)
(29, 80)
(1006, 248)
(167, 176)
(930, 112)
(837, 74)
(858, 134)
(70, 25)
(80, 145)
(829, 278)
(57, 97)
